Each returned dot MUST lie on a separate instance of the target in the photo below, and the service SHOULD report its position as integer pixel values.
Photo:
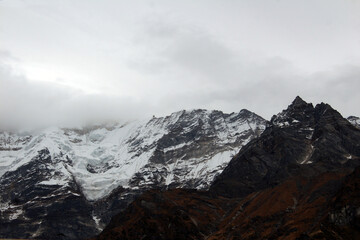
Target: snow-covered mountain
(56, 169)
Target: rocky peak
(298, 101)
(300, 137)
(298, 111)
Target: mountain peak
(297, 111)
(298, 101)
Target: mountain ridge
(300, 135)
(105, 167)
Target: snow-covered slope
(103, 167)
(183, 148)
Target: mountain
(301, 139)
(68, 183)
(298, 180)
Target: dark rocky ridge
(325, 206)
(301, 139)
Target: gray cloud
(272, 94)
(157, 58)
(215, 76)
(27, 104)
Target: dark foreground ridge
(321, 207)
(299, 180)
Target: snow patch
(172, 148)
(97, 222)
(307, 157)
(60, 182)
(15, 215)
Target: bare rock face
(68, 183)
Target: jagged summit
(298, 111)
(298, 101)
(299, 136)
(305, 114)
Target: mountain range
(195, 174)
(298, 180)
(88, 175)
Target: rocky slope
(325, 206)
(71, 181)
(296, 181)
(36, 204)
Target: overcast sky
(72, 61)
